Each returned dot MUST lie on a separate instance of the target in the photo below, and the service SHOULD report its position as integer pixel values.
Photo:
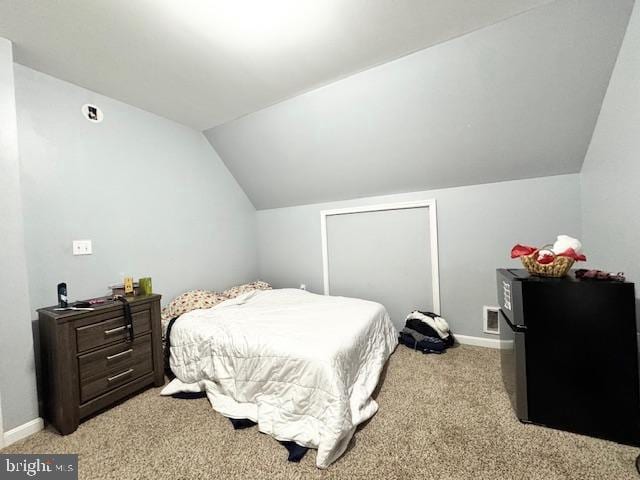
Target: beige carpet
(444, 417)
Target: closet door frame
(429, 204)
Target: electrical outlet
(82, 247)
(303, 286)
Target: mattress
(302, 366)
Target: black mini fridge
(569, 354)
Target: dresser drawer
(113, 359)
(111, 330)
(93, 387)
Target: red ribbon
(545, 258)
(520, 250)
(571, 253)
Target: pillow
(247, 287)
(191, 300)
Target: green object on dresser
(145, 286)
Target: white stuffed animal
(564, 242)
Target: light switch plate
(82, 247)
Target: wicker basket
(558, 268)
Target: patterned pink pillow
(247, 287)
(191, 300)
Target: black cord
(128, 318)
(638, 463)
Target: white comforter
(303, 366)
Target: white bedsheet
(303, 366)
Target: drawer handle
(115, 330)
(115, 377)
(116, 355)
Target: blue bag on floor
(426, 345)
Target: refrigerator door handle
(515, 328)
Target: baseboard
(23, 431)
(479, 341)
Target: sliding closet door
(382, 256)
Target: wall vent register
(491, 320)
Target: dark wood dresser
(89, 363)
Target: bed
(302, 366)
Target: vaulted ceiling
(205, 62)
(514, 100)
(309, 101)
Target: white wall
(17, 369)
(477, 226)
(611, 173)
(151, 194)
